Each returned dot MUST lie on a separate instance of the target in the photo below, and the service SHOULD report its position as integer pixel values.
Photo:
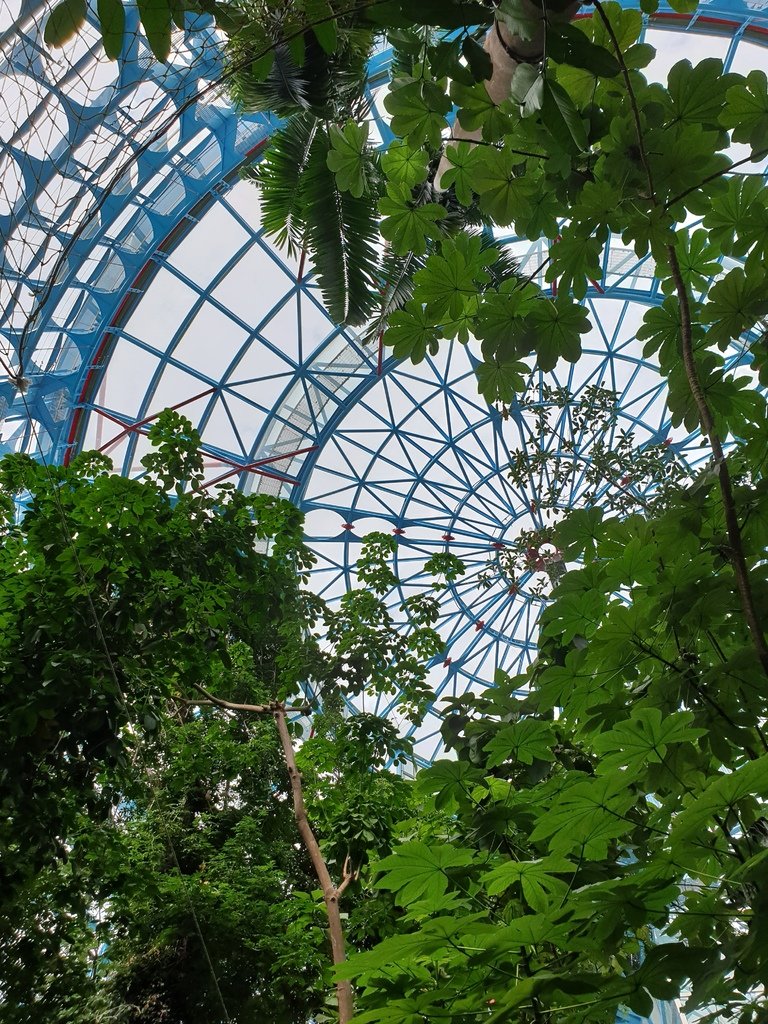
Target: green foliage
(65, 21)
(305, 207)
(623, 797)
(347, 157)
(559, 844)
(137, 816)
(407, 224)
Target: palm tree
(315, 86)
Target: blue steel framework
(110, 175)
(142, 296)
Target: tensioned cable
(121, 693)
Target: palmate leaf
(405, 165)
(575, 259)
(418, 108)
(698, 260)
(418, 871)
(504, 194)
(413, 331)
(406, 224)
(348, 157)
(738, 218)
(746, 111)
(586, 815)
(735, 304)
(477, 110)
(697, 95)
(644, 737)
(522, 741)
(500, 381)
(723, 792)
(537, 880)
(557, 328)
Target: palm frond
(396, 288)
(328, 85)
(280, 175)
(341, 233)
(506, 265)
(283, 91)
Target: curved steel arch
(280, 414)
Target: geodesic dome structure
(135, 277)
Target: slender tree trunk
(331, 893)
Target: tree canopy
(598, 837)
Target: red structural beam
(255, 467)
(129, 428)
(237, 467)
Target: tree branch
(256, 709)
(736, 548)
(706, 419)
(718, 174)
(331, 893)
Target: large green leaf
(112, 24)
(522, 741)
(477, 110)
(450, 280)
(418, 110)
(522, 19)
(738, 218)
(537, 879)
(348, 158)
(404, 164)
(65, 21)
(568, 44)
(557, 328)
(500, 381)
(502, 320)
(575, 259)
(697, 94)
(407, 224)
(502, 187)
(644, 737)
(746, 111)
(156, 20)
(735, 304)
(723, 792)
(586, 816)
(561, 117)
(418, 871)
(413, 331)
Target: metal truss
(156, 288)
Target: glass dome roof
(135, 277)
